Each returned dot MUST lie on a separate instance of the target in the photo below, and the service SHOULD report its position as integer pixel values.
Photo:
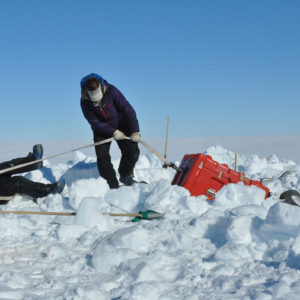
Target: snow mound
(237, 246)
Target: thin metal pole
(154, 151)
(53, 156)
(90, 145)
(172, 165)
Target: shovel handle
(125, 215)
(145, 216)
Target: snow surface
(238, 246)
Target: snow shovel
(291, 197)
(283, 175)
(142, 215)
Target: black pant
(11, 185)
(130, 154)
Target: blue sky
(217, 68)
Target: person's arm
(125, 107)
(97, 125)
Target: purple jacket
(114, 112)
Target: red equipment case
(202, 175)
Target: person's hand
(119, 135)
(135, 137)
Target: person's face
(93, 86)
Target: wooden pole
(25, 212)
(235, 162)
(167, 134)
(146, 215)
(125, 215)
(242, 177)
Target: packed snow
(238, 246)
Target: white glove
(119, 135)
(135, 137)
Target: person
(11, 185)
(111, 115)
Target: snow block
(202, 175)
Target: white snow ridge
(238, 246)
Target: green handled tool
(142, 215)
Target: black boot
(58, 186)
(38, 152)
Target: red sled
(202, 175)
